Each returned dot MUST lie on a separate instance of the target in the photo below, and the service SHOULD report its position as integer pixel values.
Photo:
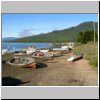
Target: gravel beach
(58, 72)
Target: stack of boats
(26, 51)
(28, 56)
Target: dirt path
(58, 73)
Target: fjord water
(18, 46)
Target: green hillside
(60, 35)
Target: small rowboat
(57, 54)
(38, 55)
(29, 50)
(21, 61)
(42, 55)
(75, 57)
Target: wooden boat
(75, 57)
(33, 66)
(21, 61)
(38, 54)
(48, 54)
(43, 56)
(29, 50)
(57, 54)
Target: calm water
(19, 46)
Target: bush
(84, 37)
(90, 51)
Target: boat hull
(71, 59)
(23, 62)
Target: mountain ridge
(63, 35)
(8, 38)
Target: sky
(22, 25)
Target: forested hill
(63, 35)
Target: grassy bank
(90, 51)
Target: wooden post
(94, 31)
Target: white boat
(66, 47)
(21, 61)
(63, 48)
(60, 49)
(4, 51)
(47, 50)
(43, 54)
(29, 50)
(57, 54)
(75, 57)
(20, 54)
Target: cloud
(29, 32)
(26, 32)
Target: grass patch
(90, 51)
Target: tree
(84, 37)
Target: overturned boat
(21, 61)
(75, 58)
